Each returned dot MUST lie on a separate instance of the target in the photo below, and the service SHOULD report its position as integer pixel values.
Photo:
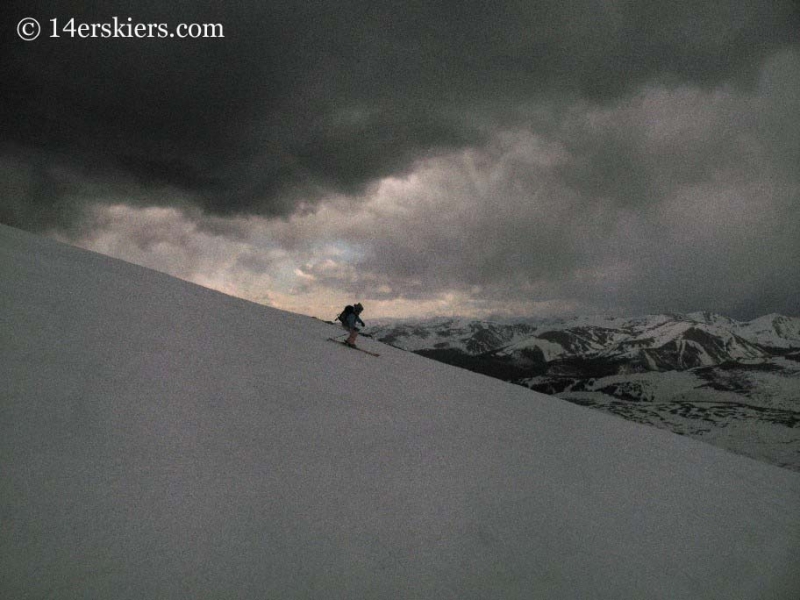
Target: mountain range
(733, 384)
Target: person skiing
(349, 318)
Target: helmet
(358, 308)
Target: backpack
(343, 316)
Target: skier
(349, 318)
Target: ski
(353, 347)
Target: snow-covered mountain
(773, 331)
(683, 344)
(700, 374)
(468, 336)
(161, 440)
(657, 342)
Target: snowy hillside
(774, 331)
(161, 440)
(735, 385)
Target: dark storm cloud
(672, 199)
(301, 99)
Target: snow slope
(160, 440)
(775, 331)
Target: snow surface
(161, 440)
(774, 330)
(458, 333)
(683, 402)
(550, 350)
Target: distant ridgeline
(699, 374)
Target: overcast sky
(514, 157)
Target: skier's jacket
(349, 318)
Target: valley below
(732, 384)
